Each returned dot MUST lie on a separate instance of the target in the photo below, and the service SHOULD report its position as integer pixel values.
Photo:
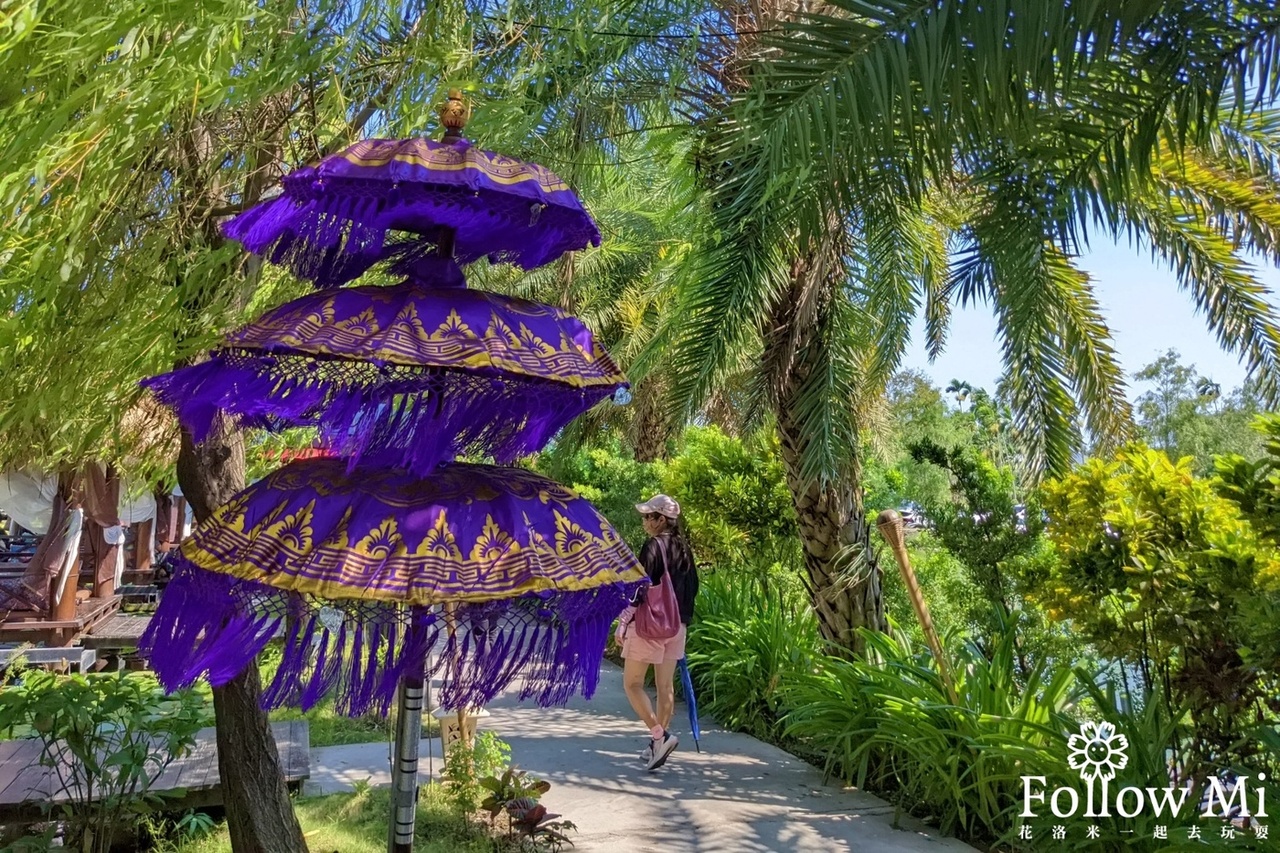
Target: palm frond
(1223, 286)
(1238, 204)
(1008, 258)
(1097, 377)
(726, 292)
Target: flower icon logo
(1098, 751)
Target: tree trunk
(842, 575)
(650, 426)
(259, 813)
(260, 816)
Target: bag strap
(662, 549)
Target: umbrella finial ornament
(454, 114)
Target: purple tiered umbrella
(405, 375)
(366, 570)
(503, 573)
(381, 198)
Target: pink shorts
(635, 647)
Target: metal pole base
(404, 767)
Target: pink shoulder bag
(658, 618)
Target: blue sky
(1142, 304)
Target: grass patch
(329, 728)
(357, 823)
(326, 726)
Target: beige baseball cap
(663, 504)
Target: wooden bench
(26, 787)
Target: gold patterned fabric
(414, 325)
(425, 160)
(468, 533)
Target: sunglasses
(654, 516)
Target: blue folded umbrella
(692, 703)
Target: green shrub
(744, 648)
(1160, 571)
(736, 505)
(954, 600)
(888, 722)
(107, 739)
(465, 765)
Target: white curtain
(27, 498)
(114, 535)
(75, 524)
(136, 506)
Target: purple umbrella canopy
(386, 197)
(500, 572)
(405, 375)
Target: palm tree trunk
(842, 575)
(260, 815)
(650, 427)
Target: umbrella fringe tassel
(411, 418)
(355, 652)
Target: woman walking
(652, 630)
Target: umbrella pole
(686, 679)
(404, 769)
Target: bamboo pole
(890, 524)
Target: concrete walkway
(738, 796)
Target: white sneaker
(662, 749)
(646, 754)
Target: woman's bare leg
(633, 673)
(665, 676)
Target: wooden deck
(120, 632)
(27, 627)
(26, 786)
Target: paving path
(738, 796)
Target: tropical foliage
(866, 170)
(105, 740)
(783, 190)
(1159, 571)
(1186, 414)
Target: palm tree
(1208, 390)
(962, 390)
(875, 160)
